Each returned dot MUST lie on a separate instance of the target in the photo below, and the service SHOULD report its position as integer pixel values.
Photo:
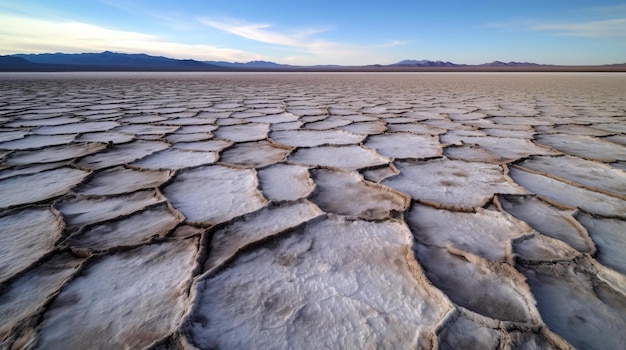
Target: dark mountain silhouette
(18, 64)
(112, 61)
(509, 64)
(15, 62)
(108, 60)
(424, 63)
(251, 64)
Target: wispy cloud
(306, 44)
(263, 32)
(20, 34)
(608, 22)
(612, 10)
(610, 28)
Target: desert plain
(313, 210)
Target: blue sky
(323, 32)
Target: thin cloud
(611, 9)
(611, 28)
(262, 32)
(20, 34)
(305, 44)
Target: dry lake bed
(313, 210)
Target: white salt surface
(54, 153)
(40, 186)
(12, 135)
(106, 137)
(405, 145)
(539, 248)
(136, 229)
(256, 226)
(345, 193)
(484, 233)
(417, 128)
(492, 289)
(127, 299)
(585, 310)
(80, 211)
(274, 118)
(244, 132)
(37, 141)
(201, 136)
(176, 159)
(451, 183)
(215, 194)
(565, 194)
(312, 138)
(26, 296)
(122, 154)
(282, 182)
(45, 121)
(26, 236)
(327, 124)
(510, 148)
(145, 129)
(322, 286)
(464, 333)
(585, 147)
(593, 175)
(473, 153)
(254, 154)
(343, 210)
(120, 180)
(549, 220)
(203, 146)
(608, 235)
(345, 157)
(75, 128)
(29, 169)
(365, 128)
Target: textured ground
(360, 211)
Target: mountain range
(112, 61)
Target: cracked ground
(289, 211)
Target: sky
(569, 32)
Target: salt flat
(312, 210)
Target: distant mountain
(509, 64)
(18, 64)
(424, 63)
(251, 64)
(15, 62)
(113, 60)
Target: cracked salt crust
(215, 194)
(344, 157)
(283, 182)
(452, 183)
(254, 154)
(149, 299)
(322, 286)
(444, 211)
(25, 237)
(174, 159)
(36, 187)
(121, 180)
(312, 138)
(37, 141)
(345, 193)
